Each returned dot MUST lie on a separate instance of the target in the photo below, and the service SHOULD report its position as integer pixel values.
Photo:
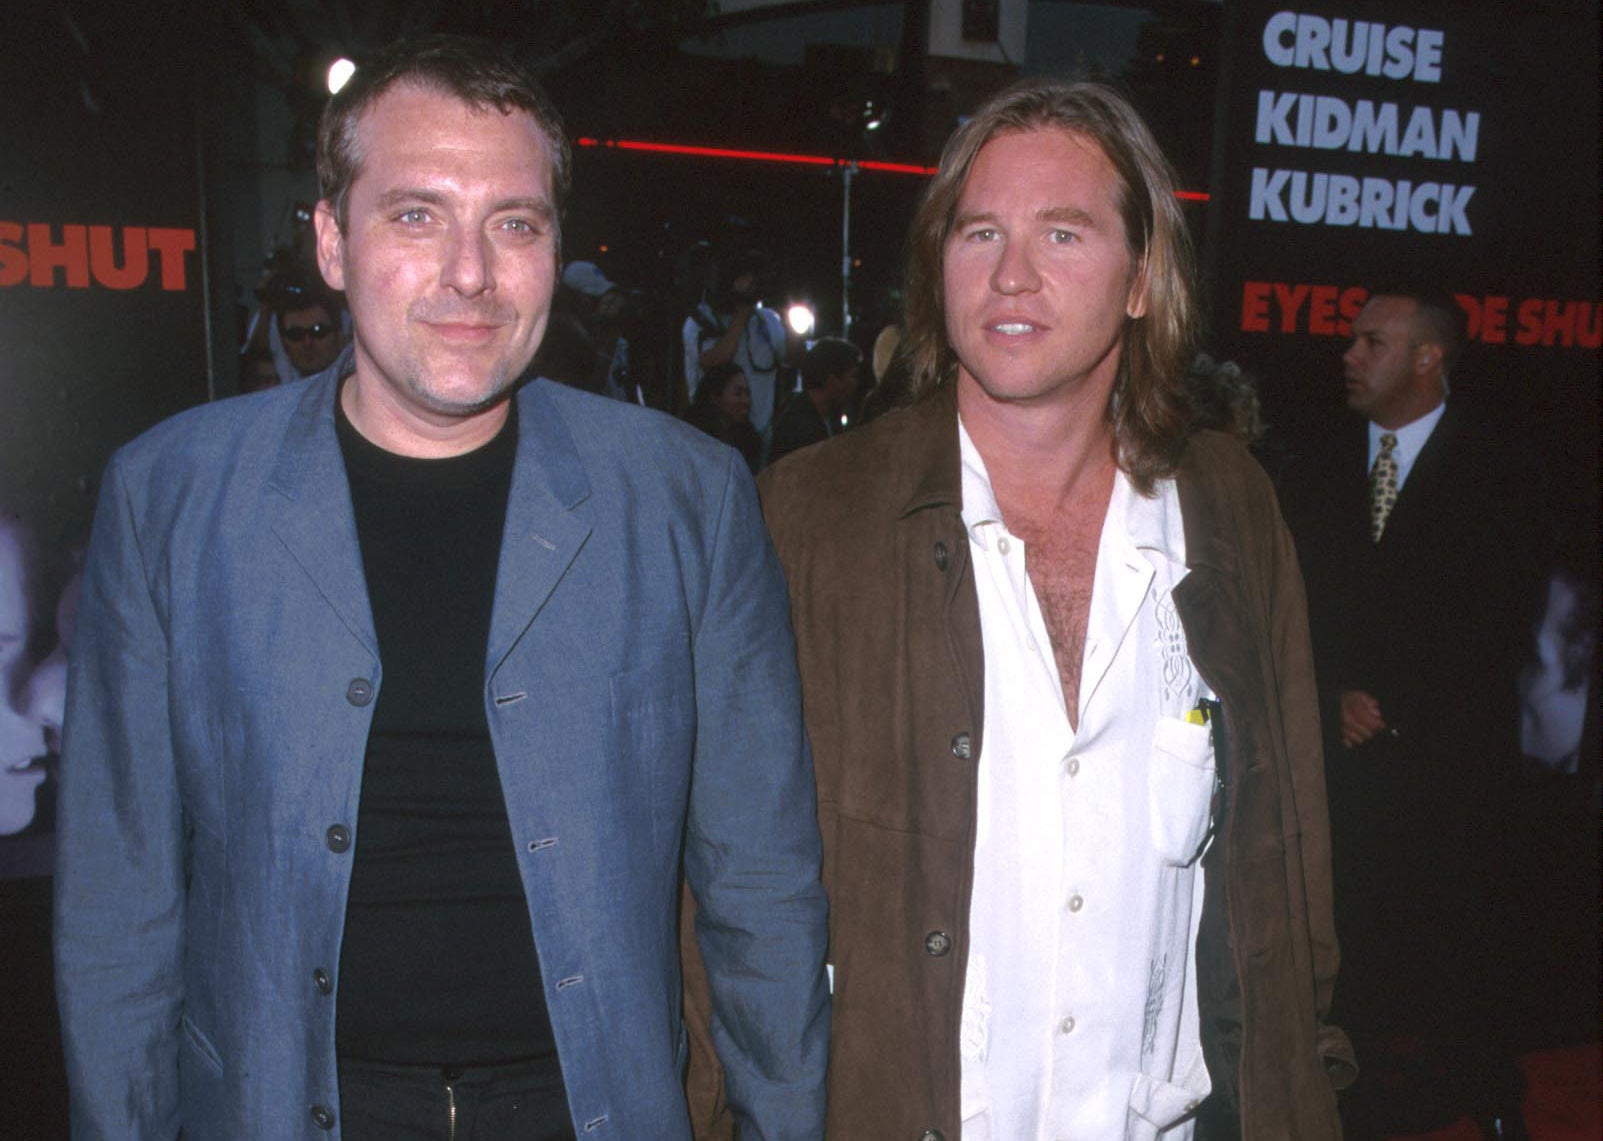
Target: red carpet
(1563, 1099)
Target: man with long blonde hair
(1056, 672)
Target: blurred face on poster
(22, 732)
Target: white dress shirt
(1410, 441)
(1079, 1007)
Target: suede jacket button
(941, 557)
(937, 943)
(963, 747)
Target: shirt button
(1067, 1025)
(937, 943)
(963, 747)
(1003, 545)
(359, 692)
(1075, 903)
(1074, 766)
(322, 982)
(338, 838)
(323, 1116)
(941, 557)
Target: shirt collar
(1150, 523)
(981, 515)
(1153, 521)
(1410, 437)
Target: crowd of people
(429, 727)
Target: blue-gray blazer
(641, 690)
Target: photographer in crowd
(738, 328)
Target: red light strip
(758, 156)
(795, 159)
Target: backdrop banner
(1451, 144)
(103, 323)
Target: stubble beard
(499, 388)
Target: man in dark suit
(829, 378)
(1413, 532)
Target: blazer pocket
(1180, 783)
(203, 1087)
(198, 1045)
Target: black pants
(521, 1101)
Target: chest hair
(1060, 559)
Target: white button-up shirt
(1079, 1005)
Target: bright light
(800, 319)
(339, 74)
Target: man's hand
(1360, 717)
(723, 349)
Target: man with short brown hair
(829, 379)
(404, 699)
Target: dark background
(200, 117)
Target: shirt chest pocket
(1180, 784)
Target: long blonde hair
(1150, 410)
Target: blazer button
(963, 747)
(322, 982)
(941, 558)
(932, 1135)
(359, 692)
(937, 943)
(338, 837)
(323, 1116)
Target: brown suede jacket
(869, 530)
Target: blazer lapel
(309, 508)
(545, 528)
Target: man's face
(838, 389)
(1038, 278)
(448, 256)
(1388, 374)
(311, 337)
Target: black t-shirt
(438, 965)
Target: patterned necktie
(1382, 486)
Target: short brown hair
(829, 356)
(1150, 410)
(1437, 320)
(477, 71)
